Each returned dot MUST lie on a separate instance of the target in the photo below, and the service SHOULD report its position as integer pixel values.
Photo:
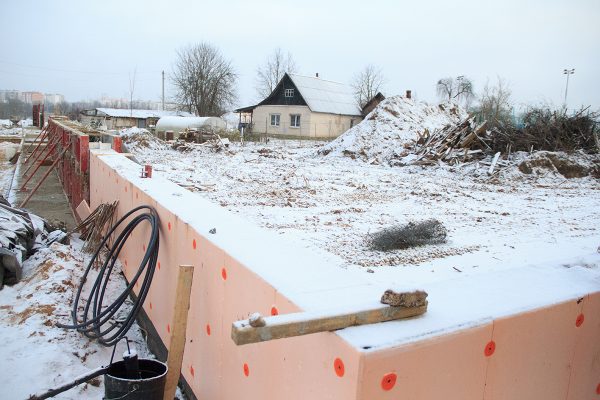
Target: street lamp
(568, 72)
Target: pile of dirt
(391, 129)
(574, 165)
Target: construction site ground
(333, 204)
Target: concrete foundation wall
(549, 353)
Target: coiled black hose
(94, 327)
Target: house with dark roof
(304, 106)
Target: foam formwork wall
(551, 353)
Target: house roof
(326, 96)
(126, 113)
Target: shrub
(413, 234)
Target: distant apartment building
(31, 97)
(6, 95)
(54, 98)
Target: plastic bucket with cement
(150, 384)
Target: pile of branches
(454, 143)
(551, 130)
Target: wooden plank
(304, 323)
(178, 329)
(493, 165)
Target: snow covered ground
(333, 203)
(36, 354)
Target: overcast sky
(86, 49)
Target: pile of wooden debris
(453, 144)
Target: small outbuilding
(183, 124)
(117, 118)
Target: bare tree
(270, 73)
(455, 89)
(495, 104)
(367, 83)
(204, 80)
(131, 90)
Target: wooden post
(178, 329)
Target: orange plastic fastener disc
(388, 381)
(338, 366)
(490, 348)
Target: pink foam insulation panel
(529, 332)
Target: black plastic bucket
(149, 386)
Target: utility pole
(568, 72)
(163, 90)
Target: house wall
(312, 124)
(261, 120)
(331, 125)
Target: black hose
(93, 327)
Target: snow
(138, 139)
(316, 212)
(5, 123)
(25, 122)
(35, 353)
(326, 96)
(393, 127)
(8, 150)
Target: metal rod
(36, 168)
(43, 178)
(42, 132)
(50, 141)
(66, 386)
(37, 147)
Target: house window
(275, 118)
(295, 120)
(289, 93)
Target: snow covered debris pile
(5, 123)
(21, 234)
(140, 140)
(456, 143)
(574, 165)
(393, 127)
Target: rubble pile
(453, 144)
(391, 130)
(138, 139)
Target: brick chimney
(408, 94)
